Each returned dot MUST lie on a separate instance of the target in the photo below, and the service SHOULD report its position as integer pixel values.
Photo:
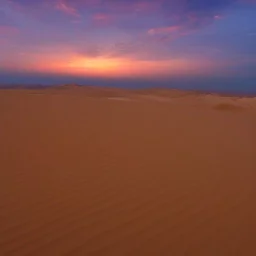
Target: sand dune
(104, 171)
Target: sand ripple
(82, 176)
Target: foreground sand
(87, 171)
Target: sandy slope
(87, 171)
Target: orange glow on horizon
(69, 63)
(95, 65)
(125, 67)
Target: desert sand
(103, 171)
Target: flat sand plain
(111, 172)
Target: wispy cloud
(164, 30)
(102, 19)
(66, 8)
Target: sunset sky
(197, 43)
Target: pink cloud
(168, 33)
(64, 7)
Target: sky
(195, 44)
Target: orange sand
(93, 171)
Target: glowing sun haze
(125, 67)
(128, 39)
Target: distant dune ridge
(90, 170)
